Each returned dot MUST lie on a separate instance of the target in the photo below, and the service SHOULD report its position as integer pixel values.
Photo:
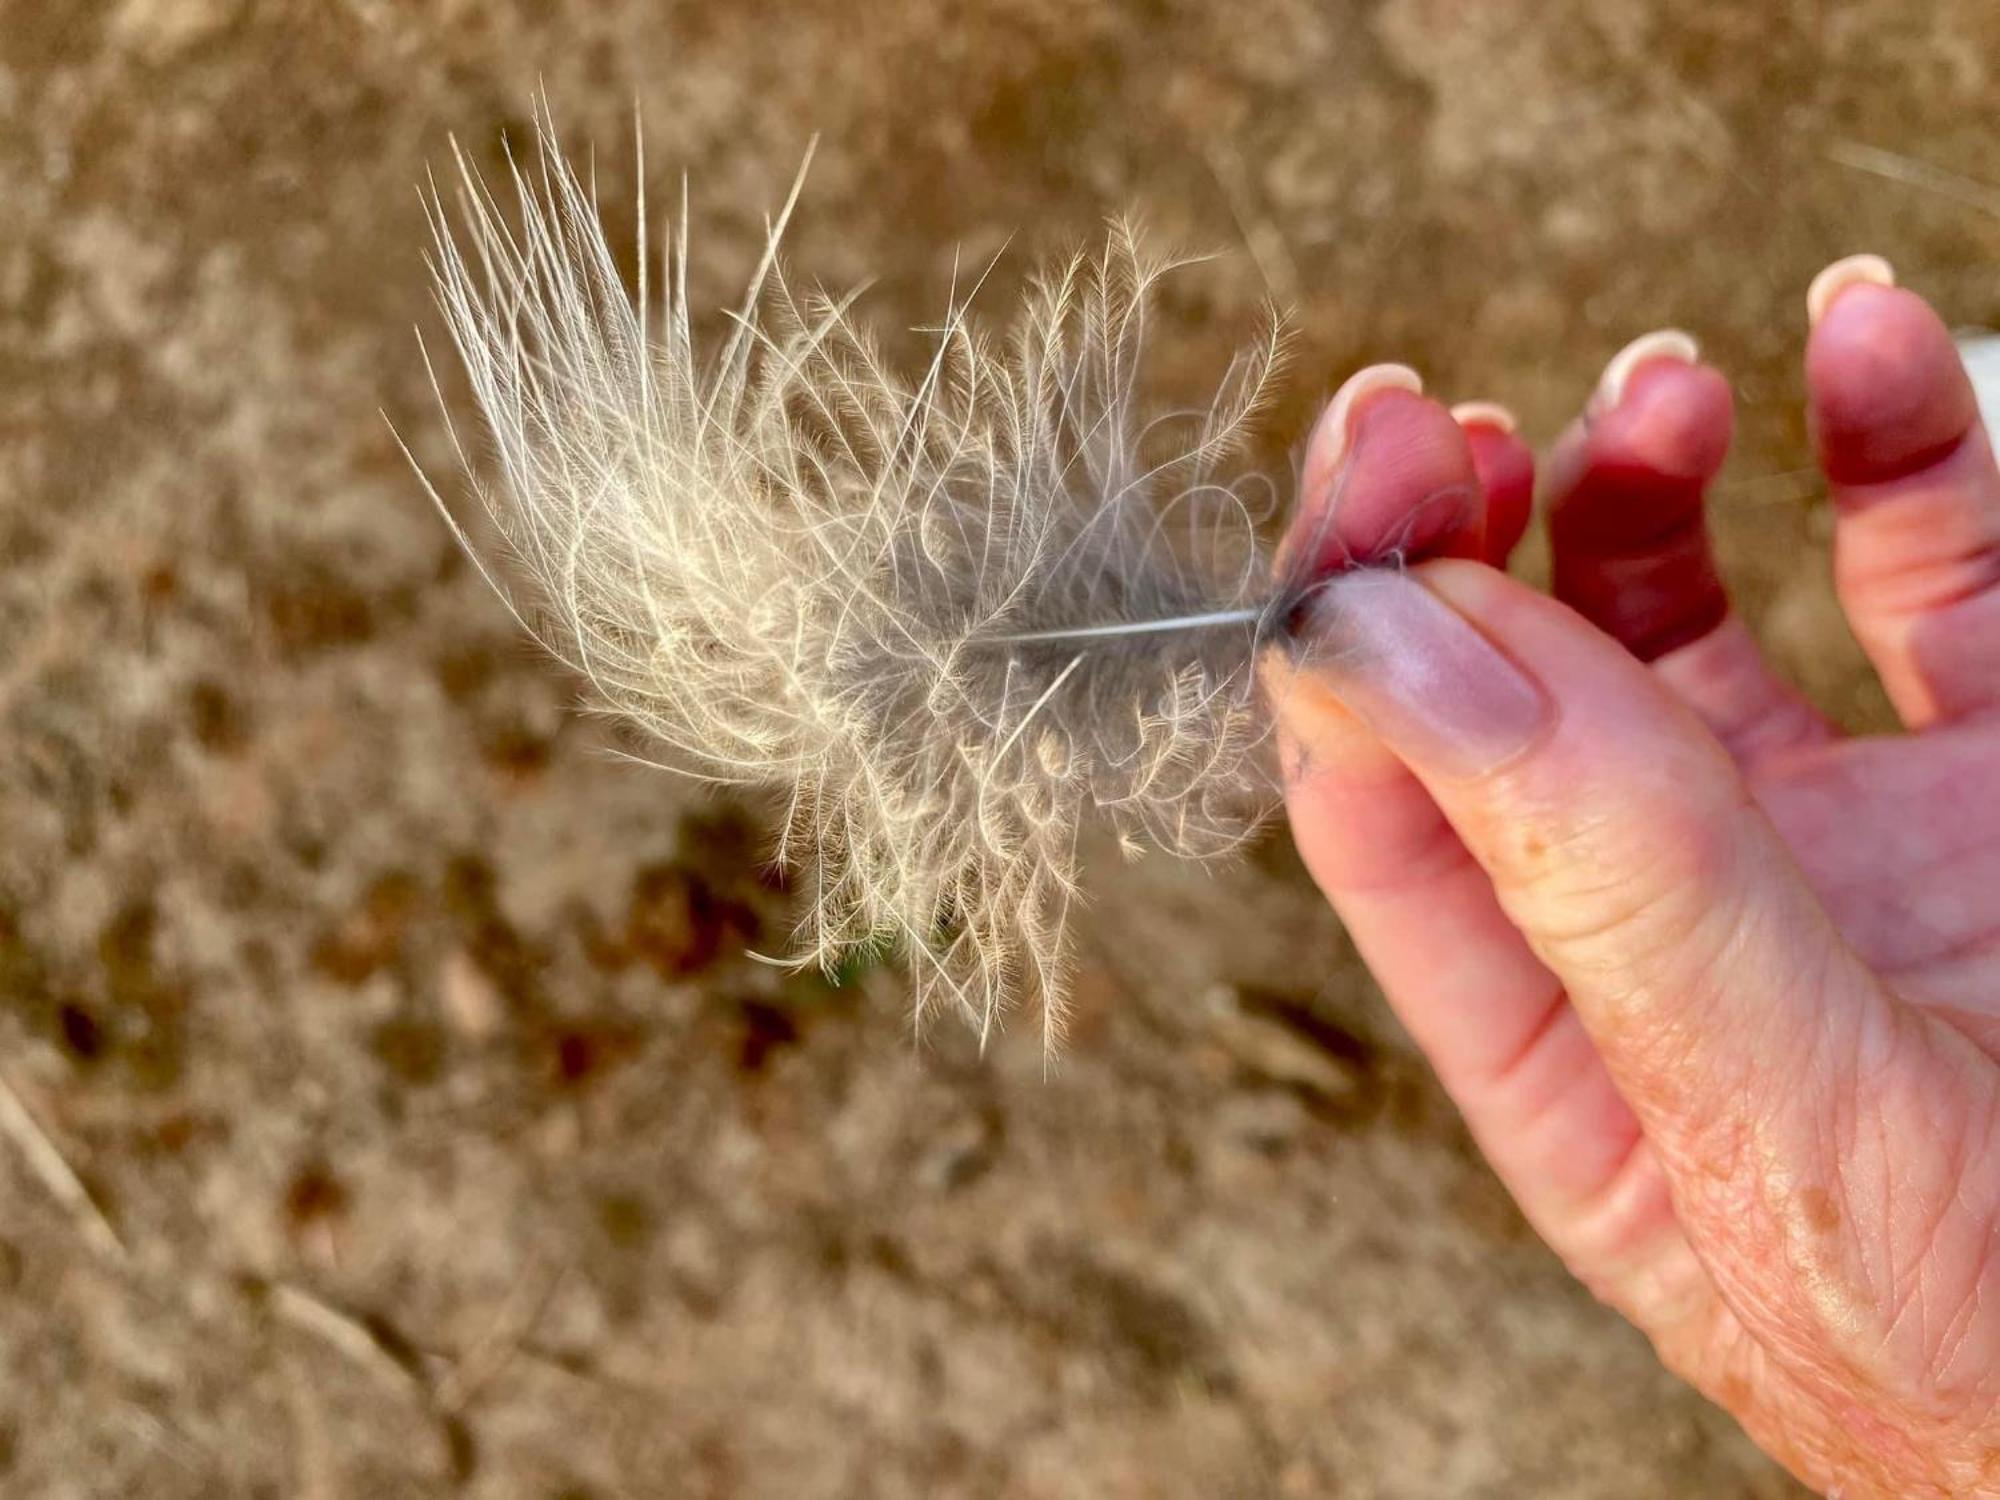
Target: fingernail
(1438, 693)
(1856, 270)
(1361, 385)
(1485, 414)
(1665, 343)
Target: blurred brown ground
(449, 1144)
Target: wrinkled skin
(1717, 989)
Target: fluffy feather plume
(947, 615)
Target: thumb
(1624, 845)
(1618, 834)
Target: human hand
(1717, 989)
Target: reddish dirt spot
(314, 1196)
(581, 1054)
(82, 1035)
(471, 898)
(316, 610)
(766, 1030)
(370, 937)
(150, 1007)
(464, 671)
(414, 1049)
(678, 925)
(215, 718)
(516, 752)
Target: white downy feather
(946, 616)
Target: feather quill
(948, 616)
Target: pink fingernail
(1855, 270)
(1665, 343)
(1485, 414)
(1416, 672)
(1359, 386)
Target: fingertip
(1626, 524)
(1855, 270)
(1669, 345)
(1476, 416)
(1505, 465)
(1895, 417)
(1441, 695)
(1888, 390)
(1387, 473)
(1676, 421)
(1333, 435)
